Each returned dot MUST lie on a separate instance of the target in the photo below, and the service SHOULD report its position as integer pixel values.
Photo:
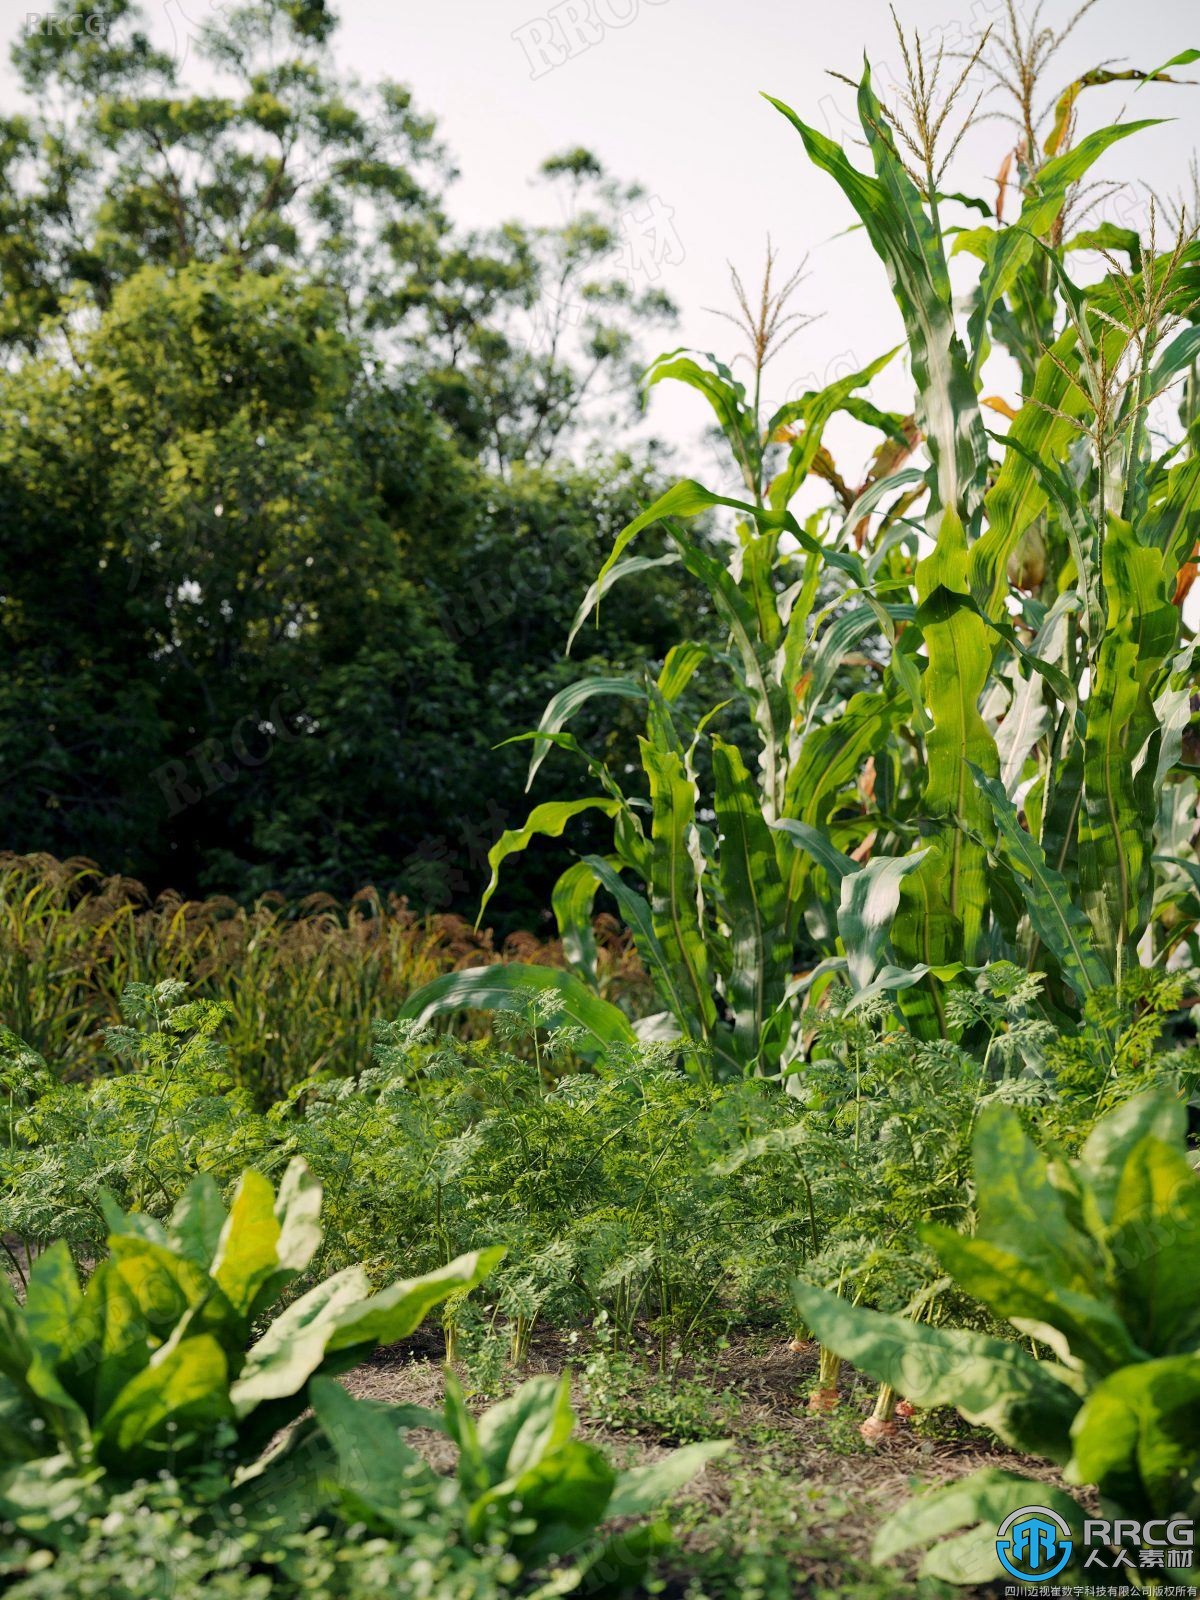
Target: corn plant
(1092, 1263)
(1007, 783)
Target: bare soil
(848, 1485)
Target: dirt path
(804, 1489)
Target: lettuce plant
(1093, 1263)
(523, 1483)
(165, 1360)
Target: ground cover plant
(816, 1188)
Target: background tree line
(299, 485)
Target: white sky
(671, 98)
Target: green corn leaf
(814, 411)
(1044, 431)
(821, 848)
(688, 499)
(572, 901)
(1057, 921)
(726, 396)
(767, 696)
(548, 820)
(906, 240)
(635, 912)
(960, 657)
(679, 667)
(754, 900)
(867, 908)
(1119, 802)
(510, 988)
(612, 574)
(1014, 246)
(563, 706)
(673, 885)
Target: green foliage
(1089, 1261)
(1005, 787)
(287, 465)
(524, 1483)
(159, 1361)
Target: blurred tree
(262, 620)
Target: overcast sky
(668, 92)
(672, 98)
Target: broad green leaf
(754, 900)
(248, 1250)
(994, 1384)
(1056, 920)
(563, 1495)
(109, 1342)
(281, 1362)
(298, 1209)
(395, 1312)
(1079, 1327)
(374, 1462)
(194, 1229)
(534, 1422)
(460, 1426)
(186, 1384)
(52, 1304)
(979, 1504)
(511, 987)
(1136, 1436)
(548, 820)
(1155, 1245)
(641, 1490)
(1020, 1208)
(1108, 1146)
